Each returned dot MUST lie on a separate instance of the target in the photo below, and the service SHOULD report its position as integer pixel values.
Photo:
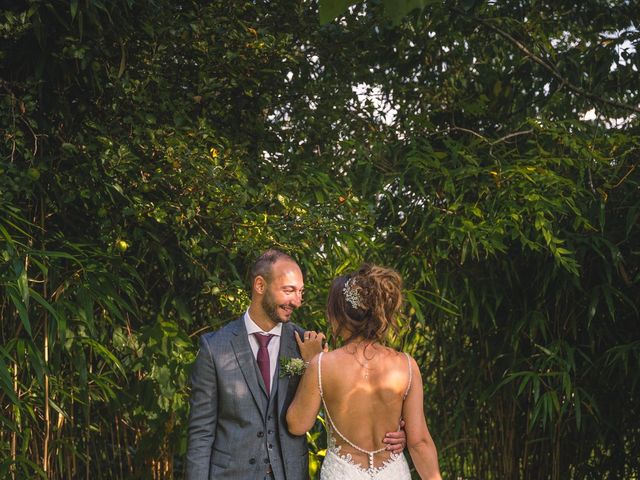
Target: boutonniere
(292, 367)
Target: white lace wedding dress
(339, 466)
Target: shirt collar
(253, 328)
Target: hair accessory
(351, 295)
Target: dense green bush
(152, 149)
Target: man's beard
(270, 307)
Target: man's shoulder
(295, 326)
(236, 326)
(224, 332)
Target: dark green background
(152, 149)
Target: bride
(365, 387)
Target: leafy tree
(152, 149)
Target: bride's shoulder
(332, 355)
(399, 359)
(392, 353)
(339, 356)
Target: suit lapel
(246, 362)
(288, 350)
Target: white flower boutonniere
(292, 367)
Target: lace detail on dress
(339, 466)
(343, 466)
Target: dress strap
(370, 454)
(406, 392)
(320, 376)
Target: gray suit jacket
(229, 410)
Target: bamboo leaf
(6, 380)
(104, 353)
(19, 305)
(61, 322)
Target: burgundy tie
(263, 358)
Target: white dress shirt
(273, 347)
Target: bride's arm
(421, 447)
(302, 413)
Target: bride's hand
(312, 344)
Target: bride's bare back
(364, 387)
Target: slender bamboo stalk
(120, 446)
(72, 423)
(47, 410)
(555, 473)
(69, 453)
(525, 455)
(88, 428)
(14, 434)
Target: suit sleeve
(300, 331)
(203, 414)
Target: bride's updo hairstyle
(366, 303)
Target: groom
(237, 425)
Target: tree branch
(482, 137)
(548, 66)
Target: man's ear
(259, 285)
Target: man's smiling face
(283, 293)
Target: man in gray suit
(237, 425)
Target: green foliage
(151, 150)
(395, 10)
(330, 9)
